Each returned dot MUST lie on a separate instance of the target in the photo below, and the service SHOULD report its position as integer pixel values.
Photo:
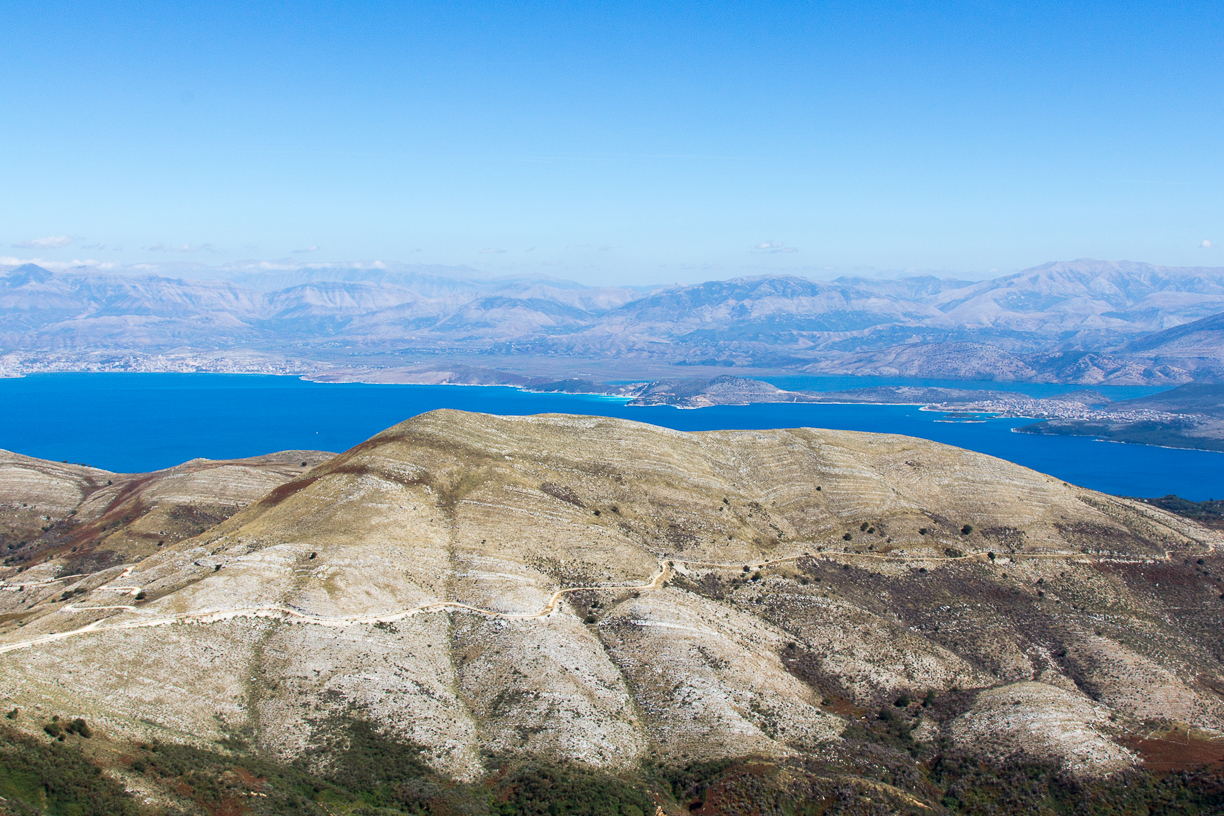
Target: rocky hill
(84, 519)
(622, 597)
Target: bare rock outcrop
(1045, 723)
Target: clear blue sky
(615, 142)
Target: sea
(143, 422)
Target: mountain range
(1082, 321)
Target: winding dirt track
(655, 581)
(289, 614)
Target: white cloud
(773, 246)
(282, 264)
(50, 242)
(491, 251)
(183, 248)
(1206, 245)
(311, 248)
(47, 263)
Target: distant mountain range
(1082, 321)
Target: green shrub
(569, 790)
(38, 777)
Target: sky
(619, 143)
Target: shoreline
(1098, 438)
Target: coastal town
(189, 362)
(1054, 408)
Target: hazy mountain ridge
(1201, 342)
(1080, 321)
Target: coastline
(681, 394)
(1096, 437)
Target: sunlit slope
(726, 593)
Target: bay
(142, 422)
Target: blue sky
(617, 143)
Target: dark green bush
(569, 790)
(38, 777)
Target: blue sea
(142, 422)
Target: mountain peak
(25, 274)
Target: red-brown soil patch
(1178, 750)
(279, 494)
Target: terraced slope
(726, 594)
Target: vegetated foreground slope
(875, 603)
